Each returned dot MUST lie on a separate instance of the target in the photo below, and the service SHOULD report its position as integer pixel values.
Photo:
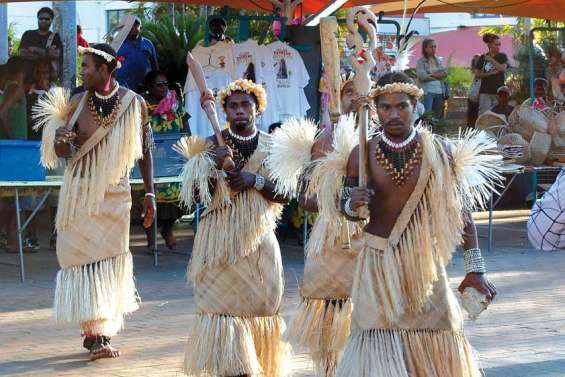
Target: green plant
(459, 80)
(172, 42)
(15, 42)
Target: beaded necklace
(242, 147)
(399, 159)
(104, 109)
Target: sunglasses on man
(44, 18)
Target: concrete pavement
(522, 334)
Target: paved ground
(523, 334)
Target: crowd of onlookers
(34, 69)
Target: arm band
(474, 261)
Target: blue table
(44, 188)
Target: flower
(246, 86)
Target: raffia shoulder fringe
(428, 230)
(86, 180)
(51, 112)
(323, 327)
(288, 152)
(408, 353)
(198, 172)
(248, 217)
(476, 167)
(325, 181)
(246, 346)
(104, 290)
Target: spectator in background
(432, 73)
(491, 68)
(2, 82)
(41, 84)
(80, 39)
(473, 103)
(137, 54)
(553, 69)
(540, 94)
(13, 111)
(503, 107)
(167, 115)
(43, 43)
(13, 125)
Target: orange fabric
(308, 6)
(544, 9)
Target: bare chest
(85, 126)
(390, 197)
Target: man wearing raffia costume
(236, 267)
(101, 133)
(421, 190)
(322, 320)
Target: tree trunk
(65, 24)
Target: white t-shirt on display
(247, 57)
(199, 123)
(284, 77)
(218, 57)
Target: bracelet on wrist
(150, 194)
(474, 261)
(348, 210)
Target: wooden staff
(208, 105)
(330, 58)
(363, 62)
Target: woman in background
(166, 115)
(432, 73)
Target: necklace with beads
(242, 146)
(104, 109)
(399, 159)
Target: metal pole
(4, 53)
(305, 230)
(490, 209)
(535, 185)
(66, 26)
(20, 241)
(155, 248)
(531, 62)
(197, 218)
